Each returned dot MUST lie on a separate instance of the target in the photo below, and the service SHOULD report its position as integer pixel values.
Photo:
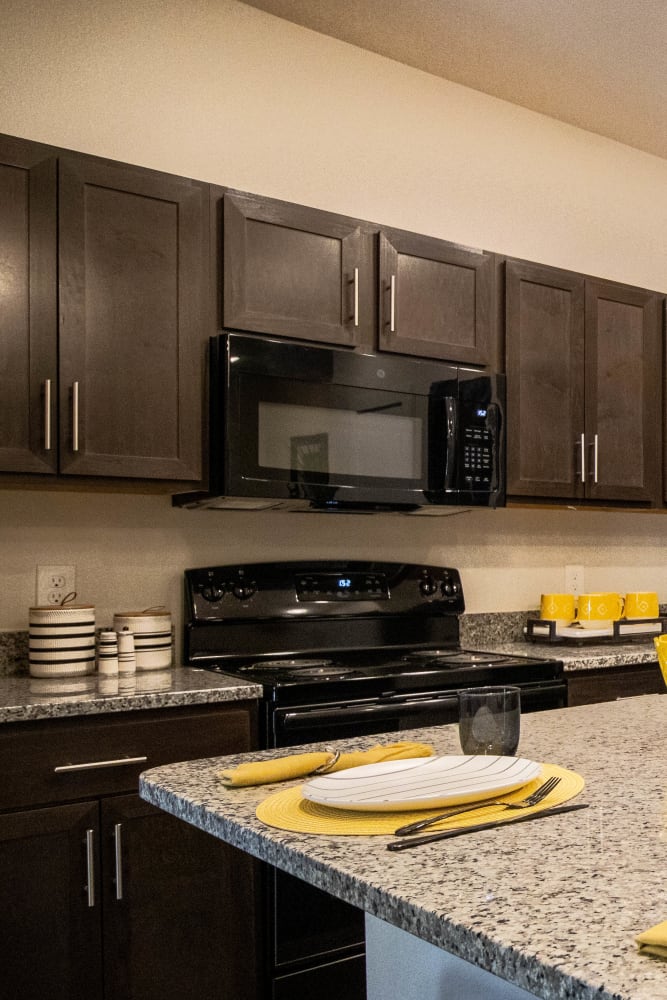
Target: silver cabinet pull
(595, 459)
(90, 866)
(90, 765)
(75, 416)
(392, 305)
(47, 414)
(582, 445)
(356, 296)
(118, 855)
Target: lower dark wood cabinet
(586, 687)
(109, 898)
(51, 934)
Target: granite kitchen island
(552, 906)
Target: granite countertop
(552, 906)
(594, 656)
(504, 633)
(24, 698)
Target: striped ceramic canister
(152, 636)
(61, 640)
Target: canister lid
(63, 607)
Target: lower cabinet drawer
(62, 760)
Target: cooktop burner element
(286, 665)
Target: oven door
(322, 723)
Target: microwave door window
(326, 445)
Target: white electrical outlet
(54, 583)
(574, 580)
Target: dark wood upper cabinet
(28, 307)
(623, 392)
(103, 273)
(296, 272)
(436, 299)
(133, 256)
(545, 365)
(584, 387)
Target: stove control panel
(321, 588)
(341, 587)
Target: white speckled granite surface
(24, 698)
(553, 906)
(589, 657)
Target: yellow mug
(642, 605)
(557, 608)
(599, 610)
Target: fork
(531, 800)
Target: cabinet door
(296, 272)
(28, 307)
(132, 330)
(623, 392)
(436, 299)
(50, 912)
(545, 379)
(179, 909)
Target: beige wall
(217, 90)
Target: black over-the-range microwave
(302, 427)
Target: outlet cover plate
(54, 583)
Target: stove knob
(212, 592)
(427, 586)
(244, 590)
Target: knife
(407, 842)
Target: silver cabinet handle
(118, 855)
(392, 305)
(47, 414)
(75, 416)
(595, 459)
(582, 445)
(356, 296)
(90, 765)
(90, 866)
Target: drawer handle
(90, 866)
(118, 857)
(91, 765)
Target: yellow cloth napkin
(300, 765)
(654, 941)
(660, 643)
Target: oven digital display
(336, 587)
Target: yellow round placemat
(288, 810)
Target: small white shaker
(107, 653)
(127, 660)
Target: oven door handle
(376, 710)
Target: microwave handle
(493, 422)
(452, 434)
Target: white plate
(421, 782)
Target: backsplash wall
(225, 93)
(130, 551)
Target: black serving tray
(623, 630)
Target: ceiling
(597, 64)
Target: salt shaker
(127, 662)
(107, 653)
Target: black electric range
(324, 636)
